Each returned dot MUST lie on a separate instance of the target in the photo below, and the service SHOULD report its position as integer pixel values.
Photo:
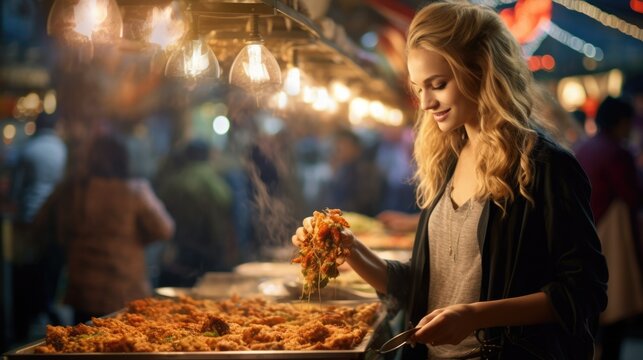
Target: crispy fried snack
(322, 250)
(235, 324)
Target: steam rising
(273, 212)
(273, 219)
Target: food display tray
(364, 351)
(360, 353)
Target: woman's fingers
(302, 232)
(299, 237)
(427, 319)
(308, 226)
(295, 241)
(449, 325)
(426, 328)
(347, 238)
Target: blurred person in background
(357, 184)
(506, 262)
(35, 260)
(395, 159)
(559, 123)
(104, 221)
(633, 93)
(313, 171)
(200, 202)
(581, 119)
(615, 201)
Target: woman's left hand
(449, 325)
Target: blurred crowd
(90, 232)
(91, 228)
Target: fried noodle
(322, 250)
(235, 324)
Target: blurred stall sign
(24, 76)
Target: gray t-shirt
(456, 266)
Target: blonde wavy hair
(489, 70)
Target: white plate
(269, 269)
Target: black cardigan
(550, 246)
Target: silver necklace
(453, 250)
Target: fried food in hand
(322, 250)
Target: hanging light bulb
(279, 100)
(323, 101)
(168, 26)
(292, 82)
(255, 69)
(80, 21)
(194, 59)
(340, 92)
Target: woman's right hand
(302, 232)
(363, 261)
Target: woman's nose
(428, 102)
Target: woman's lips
(440, 116)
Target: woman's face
(434, 84)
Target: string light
(573, 42)
(603, 17)
(530, 48)
(494, 3)
(9, 132)
(636, 5)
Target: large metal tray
(359, 353)
(362, 352)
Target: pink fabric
(625, 286)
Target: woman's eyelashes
(439, 86)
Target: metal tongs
(402, 338)
(397, 341)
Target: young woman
(506, 253)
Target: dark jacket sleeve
(578, 291)
(407, 284)
(399, 277)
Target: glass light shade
(168, 26)
(255, 70)
(79, 21)
(194, 59)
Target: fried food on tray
(322, 250)
(235, 324)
